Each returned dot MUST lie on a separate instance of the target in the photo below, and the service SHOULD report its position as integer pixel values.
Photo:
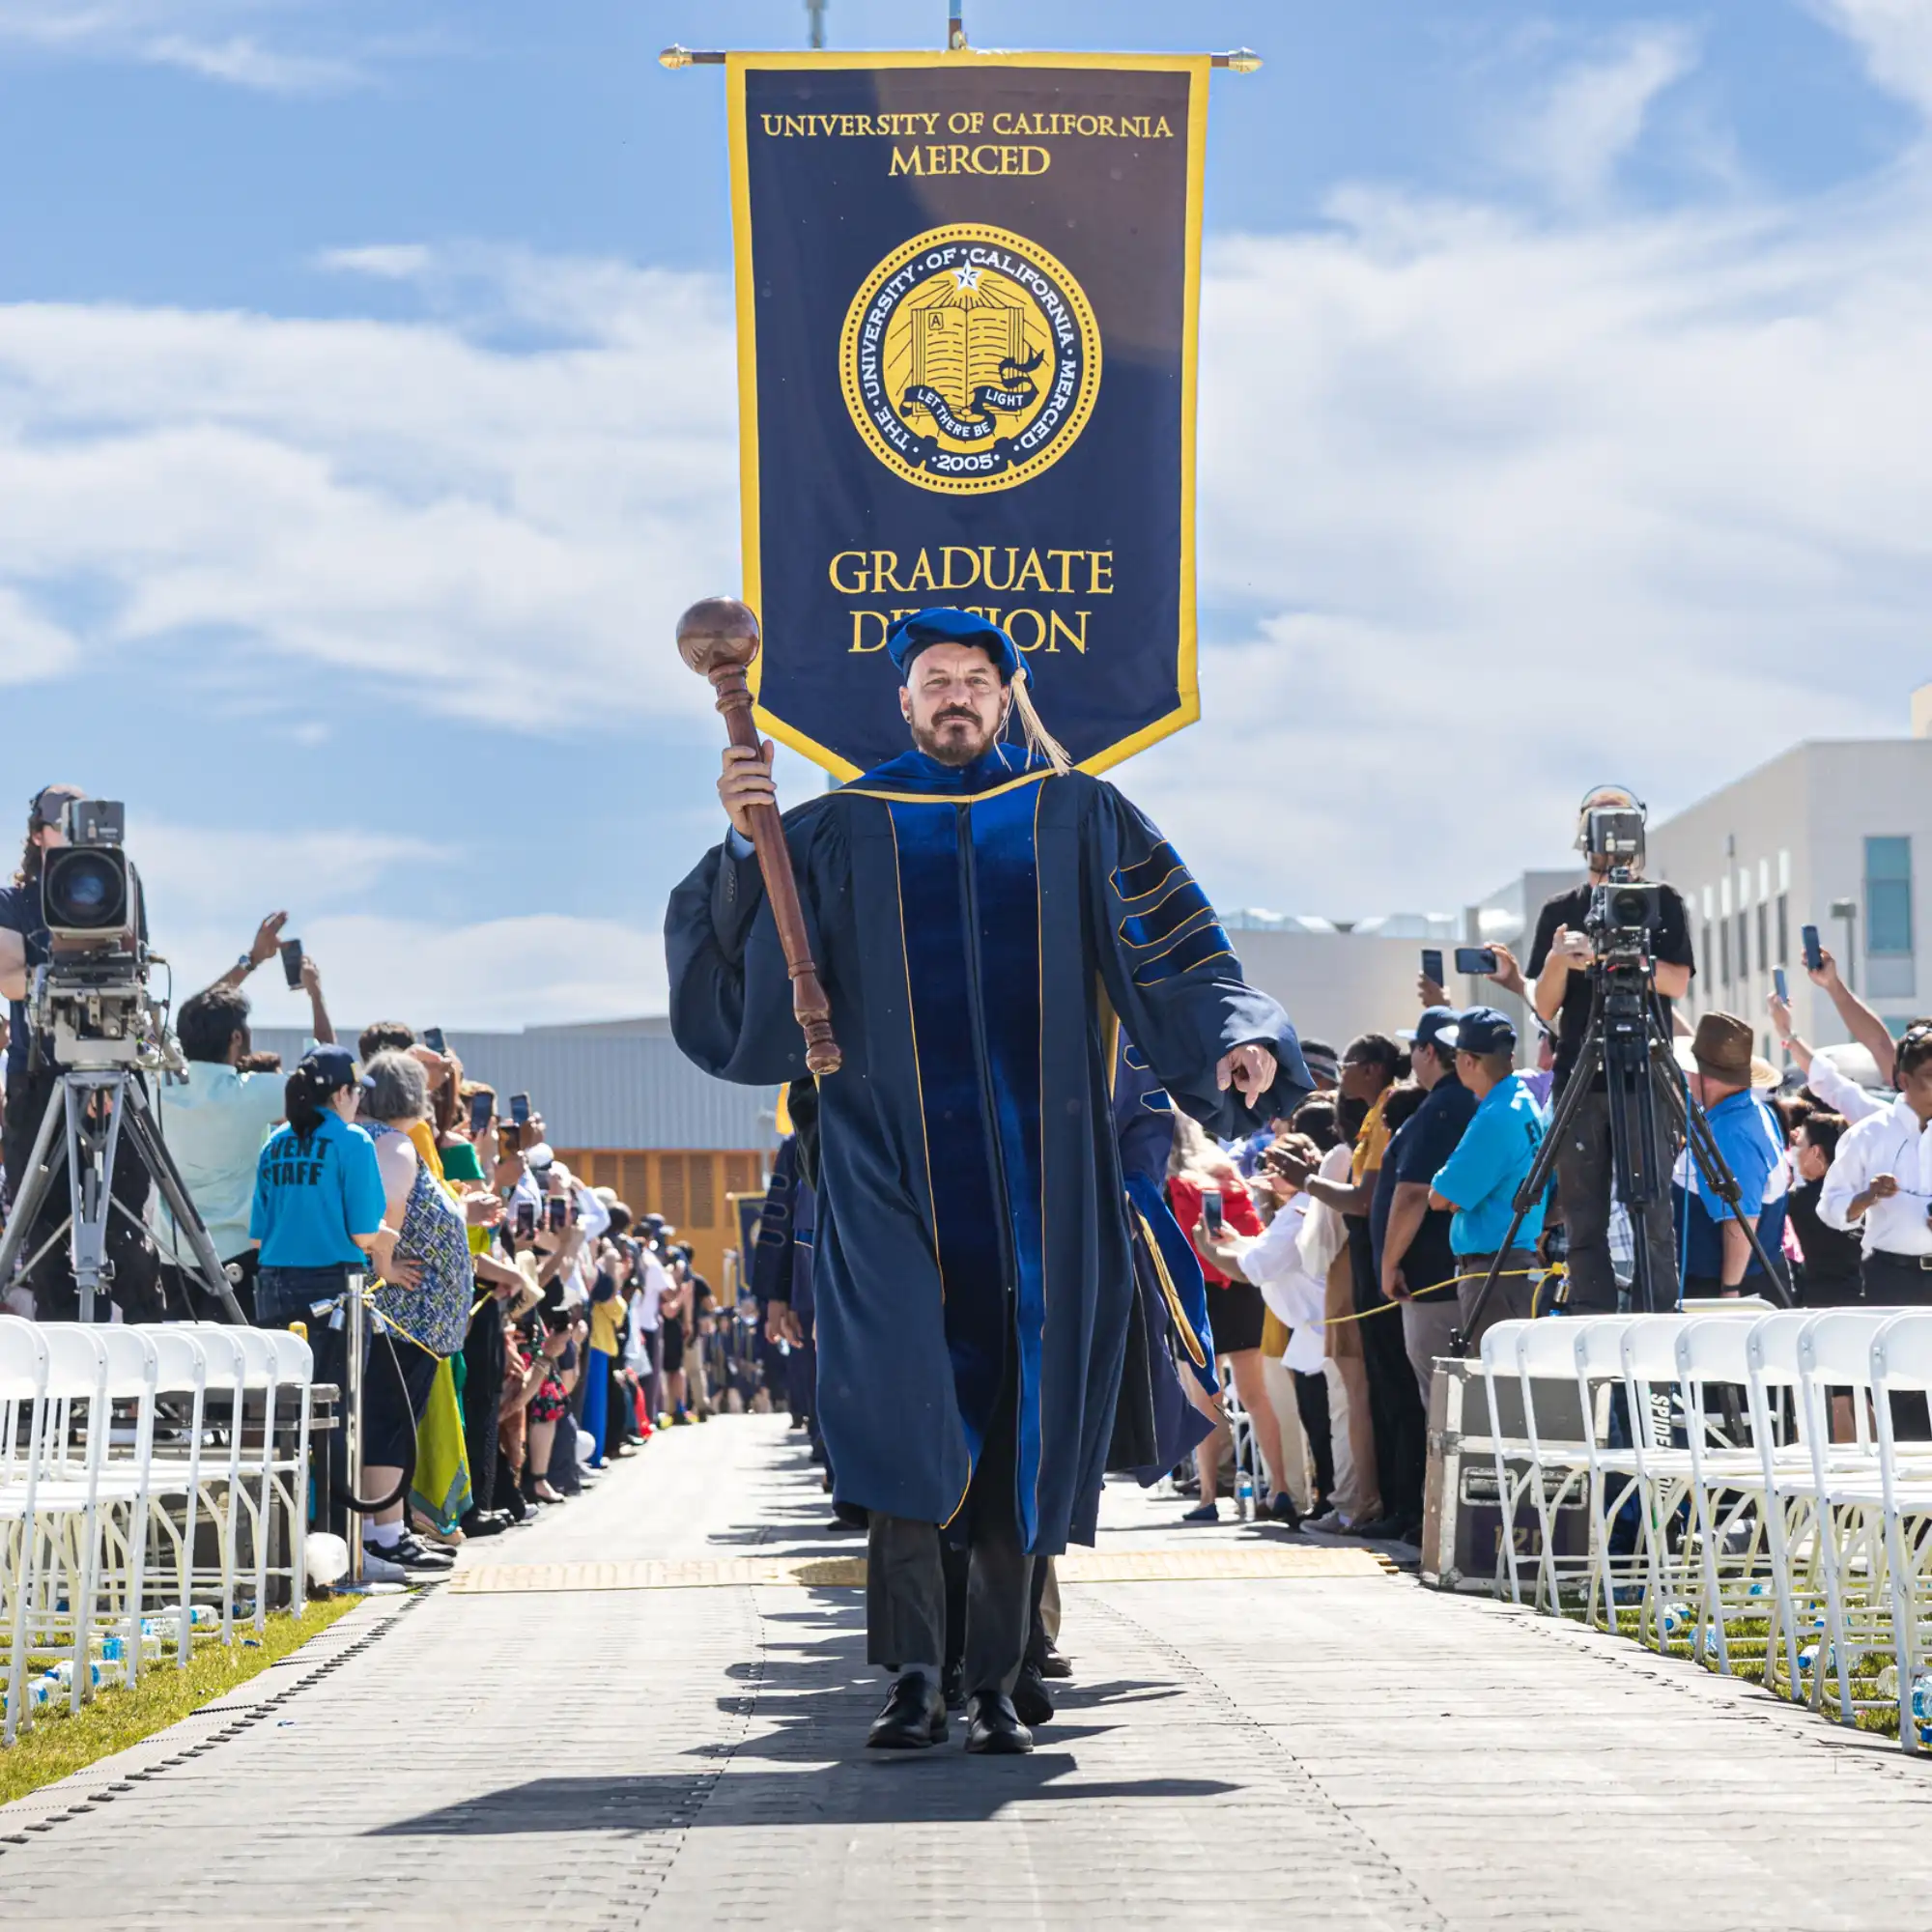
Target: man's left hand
(1250, 1070)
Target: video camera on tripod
(1626, 1042)
(89, 1006)
(92, 1015)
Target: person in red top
(1197, 1170)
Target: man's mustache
(952, 712)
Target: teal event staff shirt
(313, 1192)
(1497, 1150)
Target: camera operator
(216, 1121)
(1559, 972)
(47, 1290)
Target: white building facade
(1834, 833)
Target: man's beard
(954, 751)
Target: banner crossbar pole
(1238, 60)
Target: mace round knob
(717, 634)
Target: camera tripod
(1627, 1041)
(88, 1109)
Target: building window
(1784, 928)
(1724, 951)
(1763, 937)
(1704, 950)
(1744, 948)
(1888, 895)
(670, 1189)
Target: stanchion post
(352, 1418)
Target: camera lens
(85, 890)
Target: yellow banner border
(1197, 66)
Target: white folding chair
(69, 1496)
(1545, 1352)
(260, 1372)
(1901, 1360)
(1596, 1345)
(220, 1471)
(23, 1389)
(1848, 1500)
(181, 1370)
(1497, 1359)
(294, 1371)
(125, 1483)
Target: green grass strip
(164, 1695)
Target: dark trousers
(286, 1296)
(1395, 1409)
(1898, 1281)
(137, 1266)
(1584, 1181)
(1311, 1400)
(483, 1365)
(906, 1576)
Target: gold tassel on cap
(1038, 737)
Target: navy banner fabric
(967, 295)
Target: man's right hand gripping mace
(719, 637)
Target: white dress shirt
(1272, 1260)
(1893, 1143)
(1840, 1093)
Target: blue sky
(366, 418)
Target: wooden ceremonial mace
(719, 637)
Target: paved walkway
(1295, 1752)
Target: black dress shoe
(913, 1717)
(1391, 1529)
(993, 1727)
(1281, 1507)
(952, 1686)
(1053, 1664)
(1032, 1705)
(485, 1523)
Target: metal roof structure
(610, 1084)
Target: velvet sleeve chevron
(1170, 970)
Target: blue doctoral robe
(981, 931)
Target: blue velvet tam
(943, 625)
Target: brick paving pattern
(1263, 1749)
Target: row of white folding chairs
(1780, 1522)
(79, 1506)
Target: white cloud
(32, 647)
(353, 897)
(218, 39)
(1896, 38)
(492, 534)
(1514, 508)
(1592, 114)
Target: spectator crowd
(526, 1329)
(1346, 1246)
(530, 1329)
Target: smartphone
(527, 1219)
(1478, 960)
(1210, 1210)
(509, 1136)
(1814, 957)
(480, 1106)
(1431, 964)
(519, 1109)
(559, 1213)
(433, 1039)
(1778, 981)
(291, 951)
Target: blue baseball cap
(1479, 1030)
(1428, 1030)
(336, 1067)
(911, 635)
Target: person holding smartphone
(215, 1120)
(1210, 1201)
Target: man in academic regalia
(983, 919)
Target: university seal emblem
(969, 359)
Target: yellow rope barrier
(1434, 1288)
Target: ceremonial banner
(967, 297)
